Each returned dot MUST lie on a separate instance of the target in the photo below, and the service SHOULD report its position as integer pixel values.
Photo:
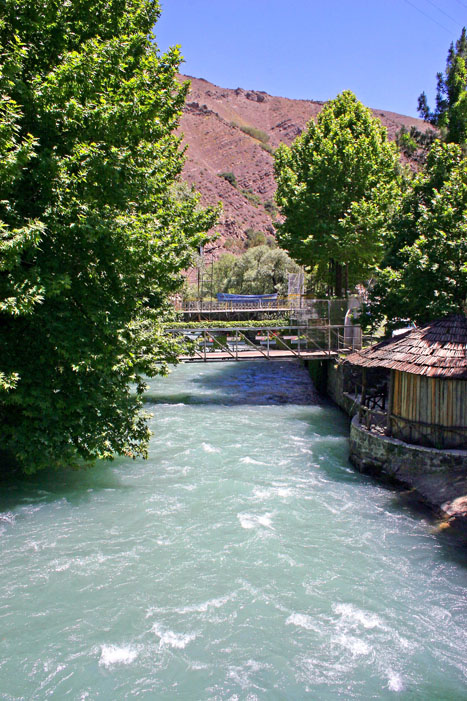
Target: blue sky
(386, 51)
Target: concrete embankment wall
(335, 388)
(328, 378)
(439, 477)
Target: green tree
(414, 143)
(92, 237)
(450, 113)
(255, 238)
(340, 162)
(260, 270)
(424, 273)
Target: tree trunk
(338, 279)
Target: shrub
(267, 147)
(255, 133)
(230, 177)
(284, 321)
(255, 238)
(251, 197)
(270, 207)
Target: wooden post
(390, 401)
(363, 397)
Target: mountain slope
(234, 131)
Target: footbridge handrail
(267, 341)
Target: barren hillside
(215, 124)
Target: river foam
(117, 655)
(235, 563)
(168, 638)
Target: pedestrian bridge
(210, 344)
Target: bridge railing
(232, 305)
(315, 308)
(266, 341)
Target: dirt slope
(212, 126)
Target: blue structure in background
(227, 297)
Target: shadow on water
(258, 383)
(233, 384)
(74, 486)
(247, 383)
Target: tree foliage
(260, 270)
(424, 273)
(415, 143)
(450, 113)
(339, 165)
(92, 239)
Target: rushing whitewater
(244, 560)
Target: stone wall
(375, 452)
(438, 476)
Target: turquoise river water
(244, 560)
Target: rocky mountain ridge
(235, 132)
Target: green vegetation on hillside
(230, 177)
(247, 193)
(254, 132)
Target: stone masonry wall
(439, 477)
(373, 451)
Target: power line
(440, 10)
(429, 17)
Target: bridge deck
(210, 345)
(214, 356)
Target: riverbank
(437, 478)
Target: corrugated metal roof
(437, 349)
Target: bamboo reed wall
(428, 410)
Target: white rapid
(245, 560)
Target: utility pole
(200, 275)
(212, 278)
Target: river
(245, 560)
